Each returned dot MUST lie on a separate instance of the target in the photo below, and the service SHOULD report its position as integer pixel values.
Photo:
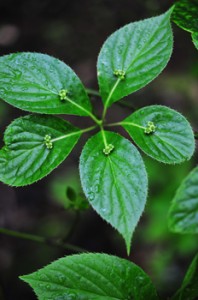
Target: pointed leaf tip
(114, 181)
(133, 56)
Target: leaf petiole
(104, 137)
(85, 110)
(73, 133)
(92, 92)
(125, 123)
(109, 97)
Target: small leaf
(171, 140)
(30, 150)
(183, 214)
(195, 39)
(189, 288)
(71, 194)
(114, 181)
(185, 15)
(91, 276)
(40, 83)
(133, 56)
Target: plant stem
(85, 110)
(103, 136)
(109, 97)
(125, 123)
(73, 133)
(125, 104)
(93, 92)
(40, 239)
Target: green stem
(104, 137)
(40, 239)
(109, 97)
(126, 105)
(125, 123)
(93, 92)
(98, 122)
(73, 226)
(73, 133)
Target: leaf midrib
(109, 97)
(117, 188)
(71, 289)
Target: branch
(40, 239)
(93, 92)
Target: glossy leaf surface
(33, 81)
(116, 183)
(195, 39)
(91, 276)
(189, 288)
(183, 214)
(171, 142)
(185, 15)
(133, 56)
(26, 156)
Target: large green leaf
(114, 181)
(189, 288)
(33, 81)
(183, 214)
(195, 39)
(185, 15)
(133, 56)
(30, 150)
(162, 133)
(91, 277)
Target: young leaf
(189, 288)
(34, 146)
(114, 181)
(133, 56)
(183, 214)
(91, 276)
(185, 15)
(162, 133)
(195, 39)
(40, 83)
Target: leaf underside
(91, 276)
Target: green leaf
(171, 140)
(31, 151)
(133, 56)
(183, 214)
(115, 183)
(33, 81)
(71, 194)
(195, 39)
(91, 276)
(185, 15)
(189, 288)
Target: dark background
(74, 32)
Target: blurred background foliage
(74, 31)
